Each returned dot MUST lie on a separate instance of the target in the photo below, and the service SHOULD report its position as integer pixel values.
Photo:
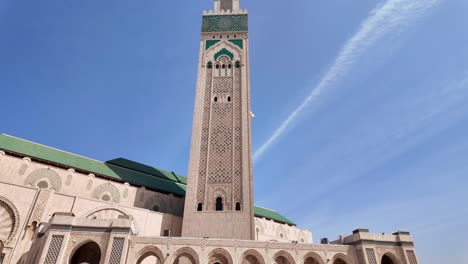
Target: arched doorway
(150, 255)
(219, 256)
(312, 258)
(89, 253)
(186, 256)
(339, 261)
(386, 259)
(252, 257)
(283, 257)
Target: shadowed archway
(389, 258)
(283, 257)
(186, 255)
(313, 258)
(252, 257)
(219, 256)
(88, 253)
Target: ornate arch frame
(107, 188)
(222, 252)
(314, 256)
(52, 177)
(252, 252)
(16, 220)
(149, 251)
(284, 254)
(186, 250)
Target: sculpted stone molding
(8, 214)
(49, 175)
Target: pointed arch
(389, 258)
(87, 251)
(187, 253)
(283, 257)
(148, 252)
(314, 257)
(340, 258)
(251, 256)
(219, 255)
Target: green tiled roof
(119, 169)
(270, 214)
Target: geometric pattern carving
(225, 23)
(371, 256)
(116, 251)
(220, 155)
(281, 233)
(54, 249)
(237, 136)
(109, 189)
(9, 221)
(52, 176)
(220, 160)
(204, 138)
(411, 257)
(40, 206)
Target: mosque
(59, 207)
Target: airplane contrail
(392, 16)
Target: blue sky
(361, 113)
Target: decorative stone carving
(53, 179)
(23, 169)
(40, 206)
(9, 221)
(107, 189)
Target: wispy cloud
(389, 18)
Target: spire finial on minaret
(231, 5)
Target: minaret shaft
(219, 201)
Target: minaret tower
(219, 200)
